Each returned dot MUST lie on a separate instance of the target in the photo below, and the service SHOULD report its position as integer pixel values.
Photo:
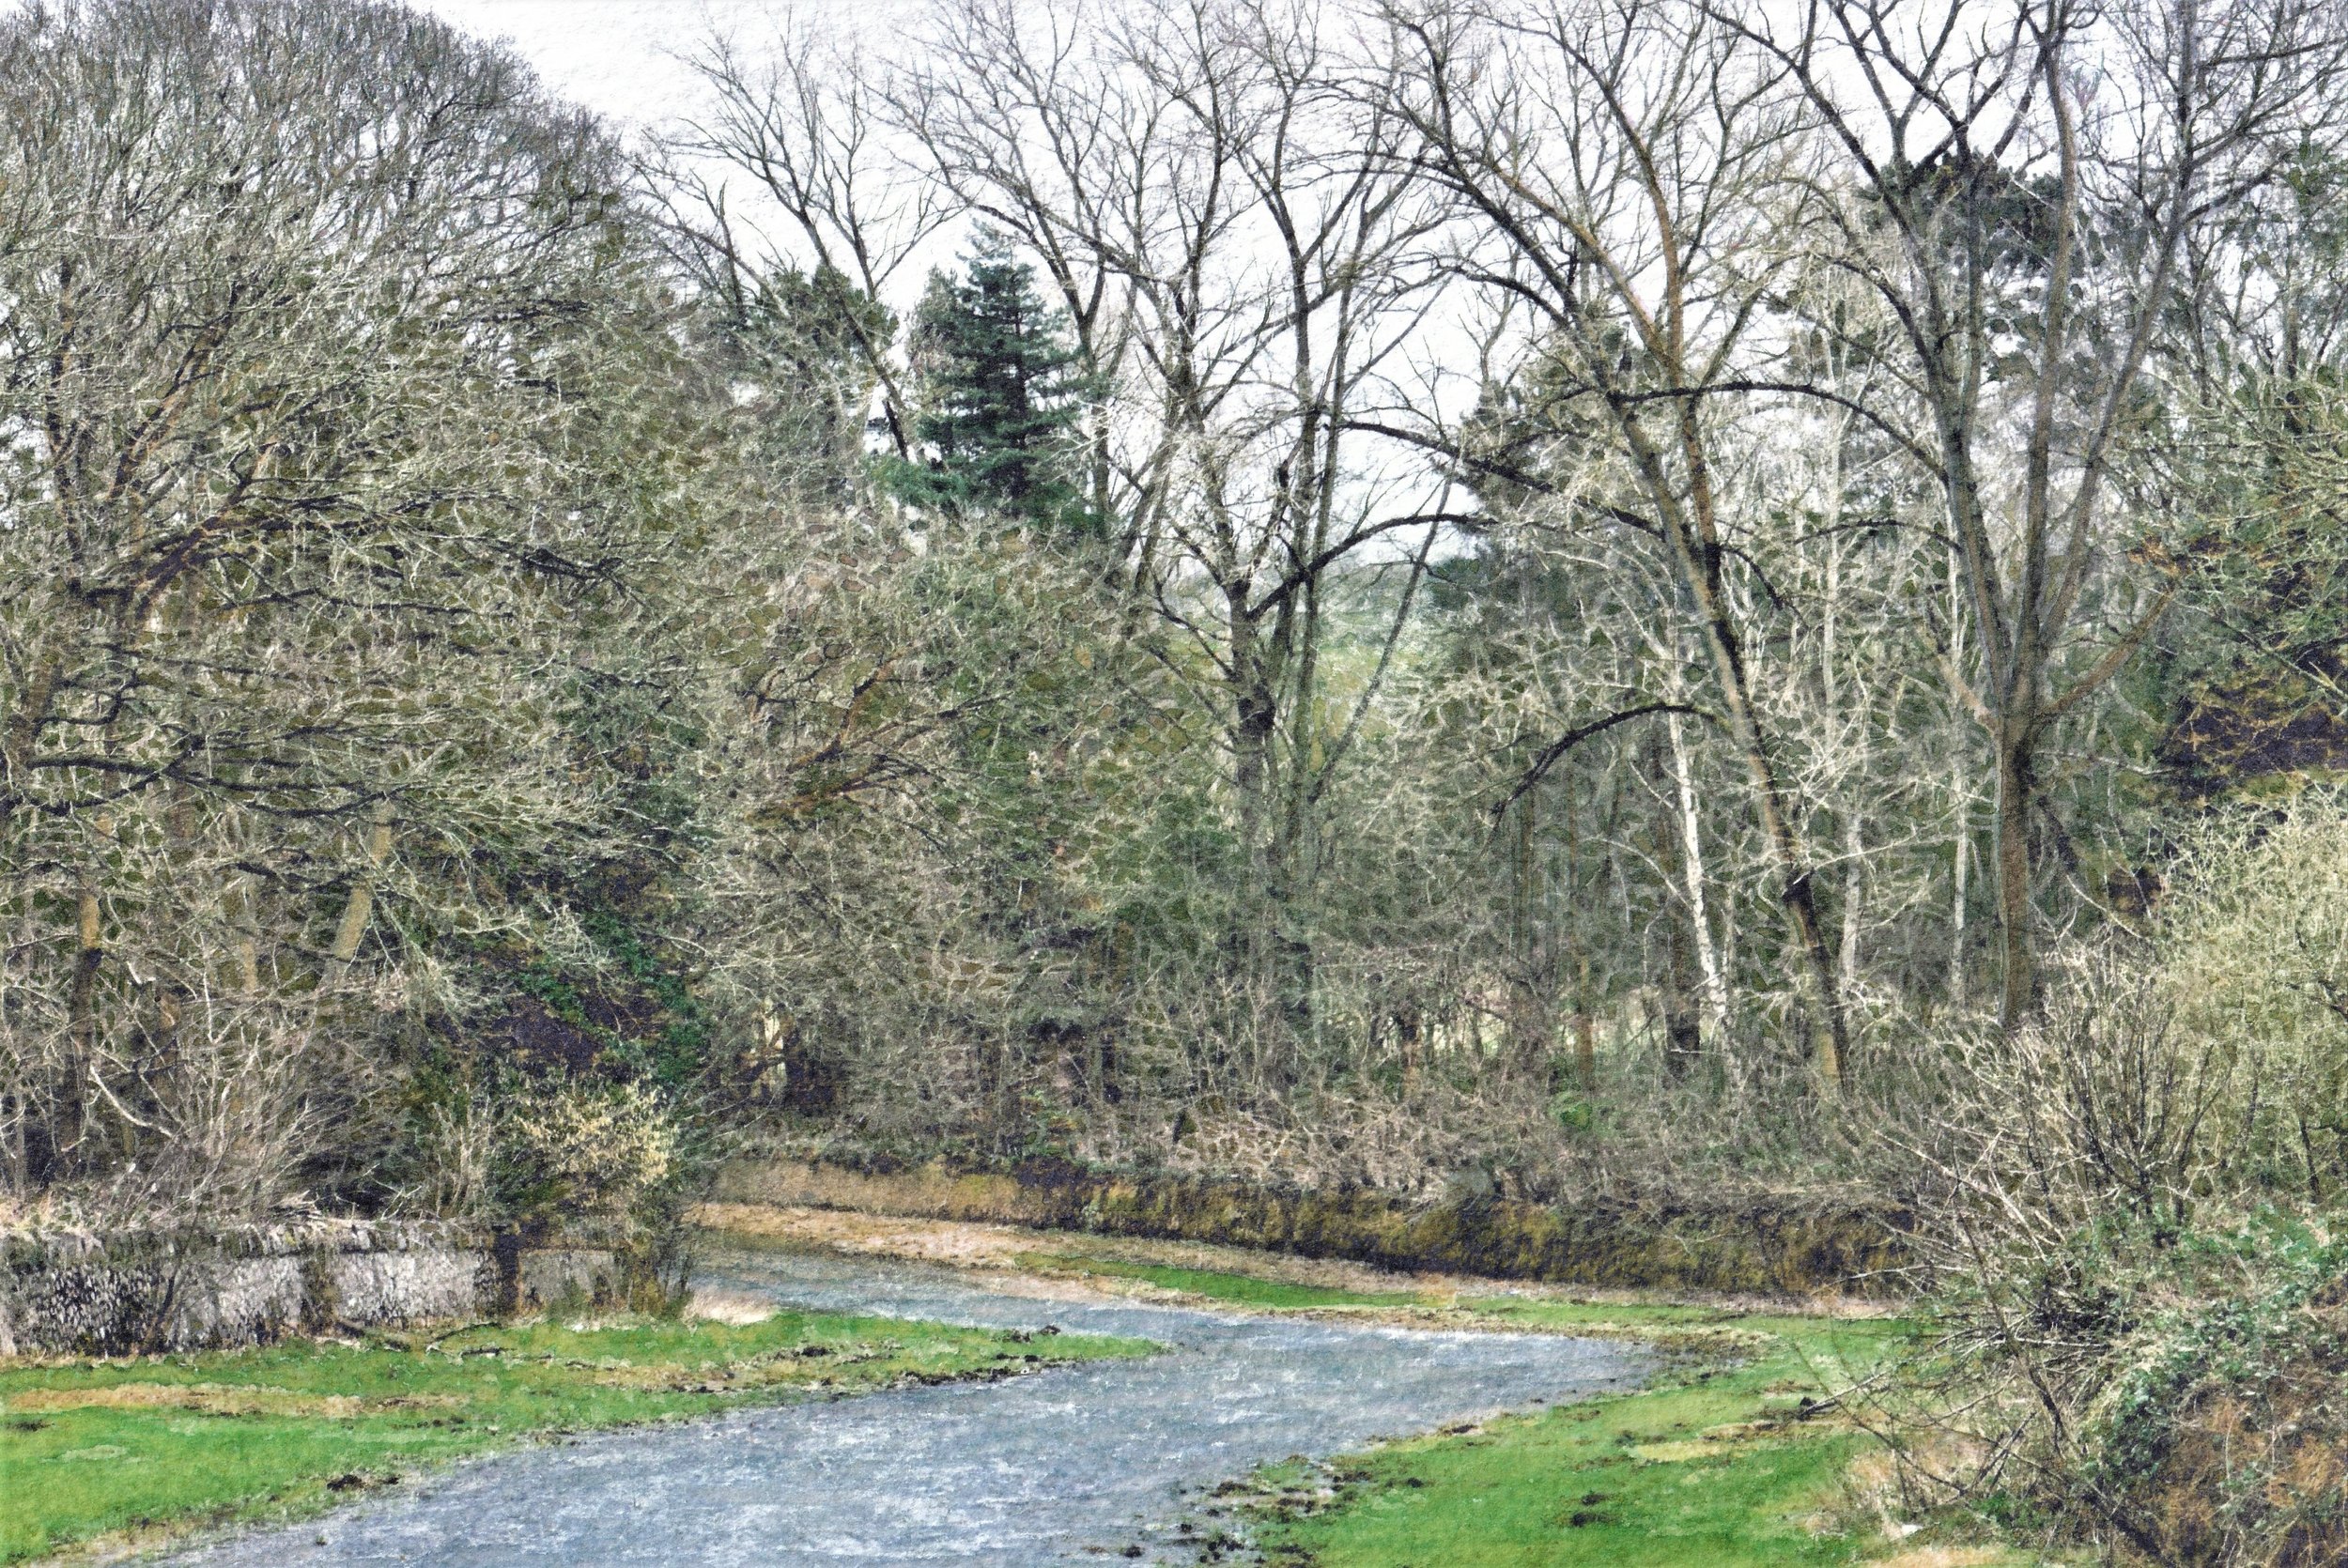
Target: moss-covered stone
(1775, 1243)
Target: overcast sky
(617, 55)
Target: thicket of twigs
(2134, 1209)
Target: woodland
(1572, 597)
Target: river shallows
(1062, 1467)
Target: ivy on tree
(998, 399)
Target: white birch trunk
(1714, 987)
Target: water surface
(1070, 1465)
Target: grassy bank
(1730, 1458)
(141, 1445)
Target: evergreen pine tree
(999, 398)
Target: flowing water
(1085, 1464)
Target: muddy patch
(973, 1244)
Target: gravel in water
(1085, 1463)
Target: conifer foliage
(1000, 399)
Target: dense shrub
(2225, 1437)
(2251, 956)
(2147, 1303)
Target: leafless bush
(2135, 1335)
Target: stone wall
(118, 1294)
(1772, 1243)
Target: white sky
(617, 55)
(621, 58)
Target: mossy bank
(1782, 1244)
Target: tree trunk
(1533, 981)
(82, 1021)
(1254, 720)
(361, 904)
(1683, 1027)
(1584, 1025)
(1713, 983)
(1586, 1039)
(1853, 850)
(2019, 992)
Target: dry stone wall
(115, 1295)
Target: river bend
(1067, 1466)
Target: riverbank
(118, 1452)
(1729, 1455)
(1782, 1243)
(1722, 1462)
(1112, 1460)
(1734, 1456)
(1032, 1258)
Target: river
(1085, 1463)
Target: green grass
(1707, 1468)
(1713, 1465)
(1238, 1289)
(131, 1446)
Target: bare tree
(1241, 258)
(309, 484)
(1632, 166)
(807, 126)
(2023, 182)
